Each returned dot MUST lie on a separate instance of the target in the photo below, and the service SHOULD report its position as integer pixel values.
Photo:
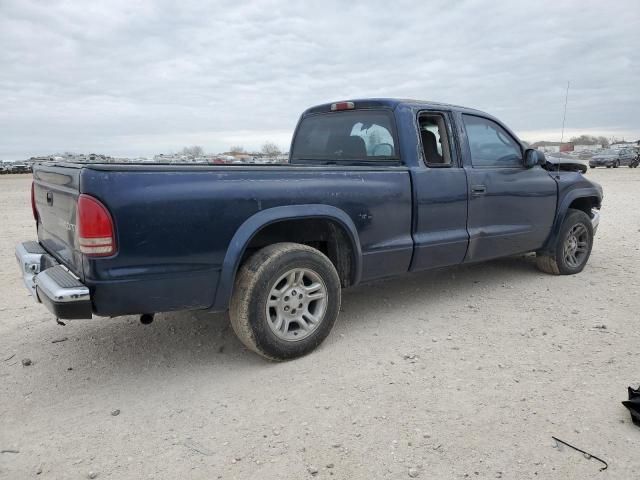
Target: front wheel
(285, 301)
(573, 246)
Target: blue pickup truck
(374, 188)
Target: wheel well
(586, 204)
(326, 235)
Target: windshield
(352, 135)
(609, 151)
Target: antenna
(564, 117)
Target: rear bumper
(55, 287)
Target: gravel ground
(459, 373)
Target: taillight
(96, 235)
(33, 202)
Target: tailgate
(56, 191)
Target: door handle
(477, 190)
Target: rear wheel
(573, 246)
(286, 300)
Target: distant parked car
(20, 168)
(614, 158)
(636, 161)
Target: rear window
(352, 135)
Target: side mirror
(534, 157)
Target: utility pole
(564, 117)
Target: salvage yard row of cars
(15, 168)
(609, 158)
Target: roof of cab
(391, 103)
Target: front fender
(258, 221)
(591, 190)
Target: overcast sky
(133, 78)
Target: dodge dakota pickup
(373, 188)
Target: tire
(592, 166)
(608, 166)
(288, 275)
(559, 261)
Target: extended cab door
(440, 195)
(511, 208)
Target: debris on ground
(587, 455)
(59, 340)
(26, 362)
(9, 450)
(312, 470)
(633, 405)
(115, 413)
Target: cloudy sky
(132, 78)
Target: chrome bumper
(56, 287)
(29, 256)
(595, 220)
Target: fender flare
(258, 221)
(563, 207)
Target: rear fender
(258, 221)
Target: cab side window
(490, 144)
(435, 141)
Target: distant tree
(590, 140)
(194, 151)
(584, 140)
(237, 149)
(271, 149)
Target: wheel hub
(576, 246)
(296, 304)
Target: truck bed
(177, 225)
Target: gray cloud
(129, 78)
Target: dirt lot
(460, 373)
